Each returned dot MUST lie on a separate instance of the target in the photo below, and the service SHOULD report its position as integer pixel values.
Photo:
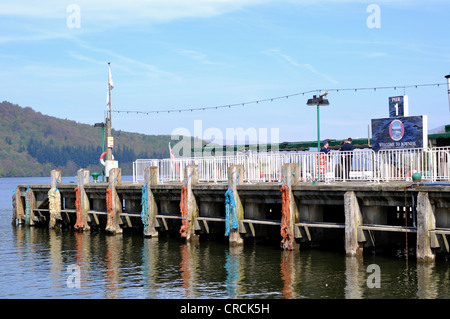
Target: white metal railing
(440, 163)
(361, 164)
(396, 165)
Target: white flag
(110, 81)
(110, 85)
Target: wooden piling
(289, 177)
(191, 179)
(18, 208)
(235, 178)
(54, 198)
(425, 223)
(353, 220)
(31, 205)
(151, 179)
(83, 179)
(114, 217)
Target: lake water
(43, 263)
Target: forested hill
(32, 144)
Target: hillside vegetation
(32, 144)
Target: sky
(184, 54)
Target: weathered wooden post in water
(290, 214)
(54, 198)
(235, 178)
(353, 220)
(149, 208)
(188, 204)
(18, 209)
(82, 200)
(113, 203)
(425, 222)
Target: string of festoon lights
(318, 91)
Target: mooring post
(55, 178)
(235, 178)
(290, 173)
(150, 179)
(191, 179)
(30, 206)
(114, 218)
(82, 180)
(54, 198)
(425, 222)
(18, 208)
(353, 220)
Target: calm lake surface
(43, 263)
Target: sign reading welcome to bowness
(399, 132)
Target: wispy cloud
(198, 56)
(127, 64)
(120, 12)
(82, 57)
(290, 60)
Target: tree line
(84, 155)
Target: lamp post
(318, 101)
(448, 87)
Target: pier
(356, 214)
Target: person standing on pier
(347, 157)
(325, 148)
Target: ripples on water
(35, 261)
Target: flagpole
(108, 118)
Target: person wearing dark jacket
(325, 148)
(347, 157)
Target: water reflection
(287, 274)
(426, 281)
(56, 260)
(234, 267)
(113, 259)
(354, 278)
(150, 257)
(135, 267)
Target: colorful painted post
(235, 178)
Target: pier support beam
(151, 179)
(353, 220)
(425, 222)
(54, 198)
(191, 179)
(235, 177)
(114, 219)
(83, 179)
(290, 176)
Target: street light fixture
(318, 101)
